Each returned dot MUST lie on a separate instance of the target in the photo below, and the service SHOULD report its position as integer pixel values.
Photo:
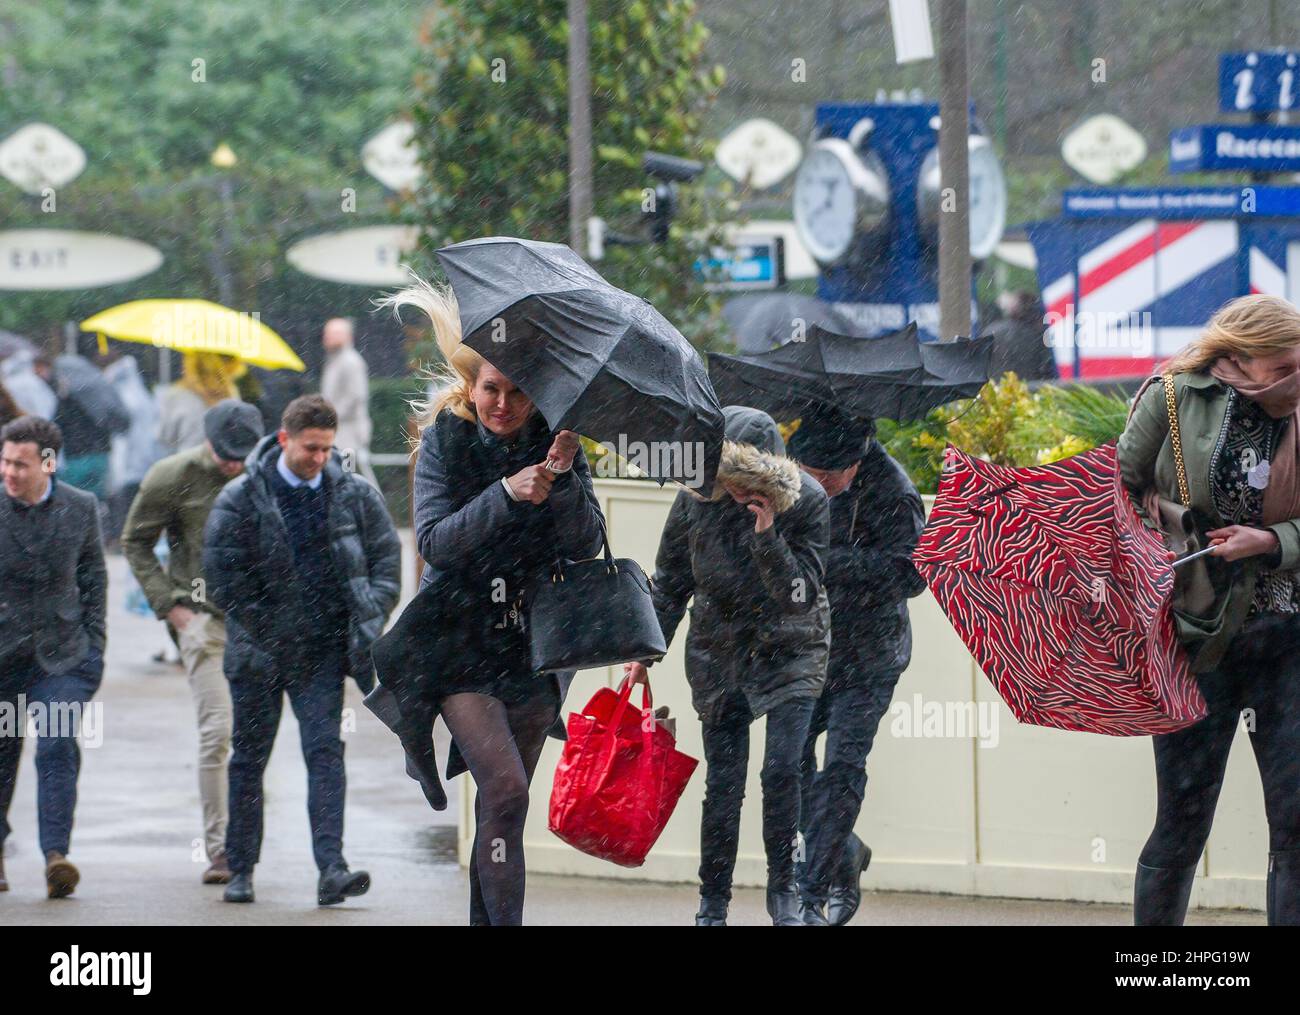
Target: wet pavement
(137, 832)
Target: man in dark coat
(876, 520)
(52, 614)
(759, 637)
(304, 560)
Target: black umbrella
(593, 358)
(759, 322)
(895, 377)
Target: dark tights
(501, 745)
(1261, 672)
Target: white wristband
(510, 490)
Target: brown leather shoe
(61, 876)
(219, 872)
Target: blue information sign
(1259, 82)
(1244, 201)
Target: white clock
(988, 196)
(838, 198)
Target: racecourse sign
(1268, 148)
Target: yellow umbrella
(196, 326)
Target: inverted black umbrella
(895, 377)
(593, 358)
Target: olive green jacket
(1146, 459)
(175, 498)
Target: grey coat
(760, 622)
(52, 578)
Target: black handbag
(592, 613)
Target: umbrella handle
(1192, 556)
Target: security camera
(671, 167)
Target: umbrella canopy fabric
(1061, 594)
(591, 357)
(760, 322)
(196, 326)
(895, 377)
(79, 381)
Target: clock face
(825, 205)
(988, 198)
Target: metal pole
(580, 162)
(954, 173)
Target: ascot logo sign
(1103, 148)
(39, 156)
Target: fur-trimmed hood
(753, 457)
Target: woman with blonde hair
(498, 499)
(206, 379)
(1235, 395)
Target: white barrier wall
(1008, 810)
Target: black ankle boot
(846, 891)
(240, 888)
(337, 883)
(783, 905)
(1284, 888)
(713, 912)
(1160, 895)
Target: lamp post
(954, 172)
(581, 201)
(224, 159)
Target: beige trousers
(202, 645)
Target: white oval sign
(32, 259)
(368, 255)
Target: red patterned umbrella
(1060, 593)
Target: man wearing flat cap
(876, 520)
(175, 498)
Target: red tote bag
(619, 778)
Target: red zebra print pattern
(1060, 593)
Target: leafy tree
(492, 127)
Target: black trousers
(849, 713)
(1257, 683)
(726, 755)
(315, 692)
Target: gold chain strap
(1176, 439)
